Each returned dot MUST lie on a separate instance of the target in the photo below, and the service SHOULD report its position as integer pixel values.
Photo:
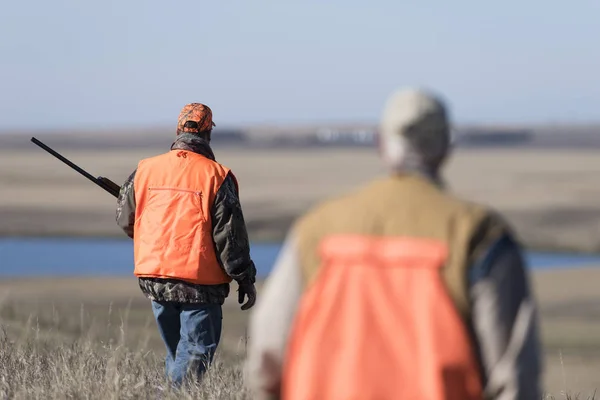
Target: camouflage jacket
(229, 236)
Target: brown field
(103, 321)
(552, 197)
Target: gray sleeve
(504, 321)
(230, 235)
(270, 323)
(125, 214)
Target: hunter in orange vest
(190, 241)
(398, 290)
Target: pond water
(21, 257)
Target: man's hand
(247, 289)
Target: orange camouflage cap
(199, 113)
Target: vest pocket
(174, 218)
(195, 195)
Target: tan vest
(174, 194)
(384, 309)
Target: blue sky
(74, 63)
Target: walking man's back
(182, 210)
(398, 290)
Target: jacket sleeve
(230, 235)
(505, 324)
(270, 323)
(125, 215)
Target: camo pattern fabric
(229, 234)
(172, 290)
(125, 204)
(191, 142)
(195, 112)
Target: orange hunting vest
(377, 324)
(174, 194)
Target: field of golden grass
(104, 329)
(552, 197)
(98, 338)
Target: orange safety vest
(174, 194)
(377, 323)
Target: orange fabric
(174, 193)
(377, 323)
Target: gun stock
(101, 181)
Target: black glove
(246, 289)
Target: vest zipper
(198, 192)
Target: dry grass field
(552, 197)
(96, 338)
(90, 339)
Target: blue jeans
(191, 333)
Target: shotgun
(101, 181)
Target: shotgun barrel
(101, 181)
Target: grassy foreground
(95, 338)
(57, 350)
(32, 369)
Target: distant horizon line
(286, 126)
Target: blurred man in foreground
(182, 210)
(398, 290)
